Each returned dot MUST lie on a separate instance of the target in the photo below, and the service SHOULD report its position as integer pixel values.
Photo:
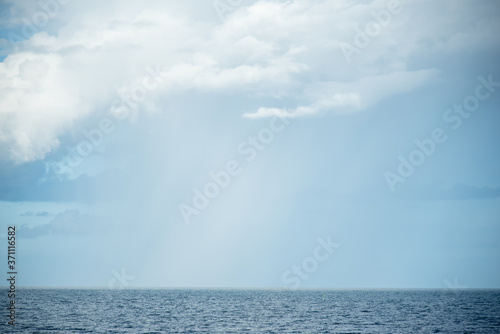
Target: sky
(251, 144)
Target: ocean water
(254, 311)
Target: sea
(151, 311)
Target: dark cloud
(69, 223)
(30, 182)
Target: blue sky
(311, 143)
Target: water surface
(58, 311)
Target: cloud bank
(84, 60)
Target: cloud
(37, 101)
(283, 113)
(57, 79)
(351, 96)
(49, 84)
(37, 214)
(68, 223)
(28, 183)
(337, 101)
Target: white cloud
(336, 101)
(283, 113)
(37, 101)
(342, 98)
(285, 50)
